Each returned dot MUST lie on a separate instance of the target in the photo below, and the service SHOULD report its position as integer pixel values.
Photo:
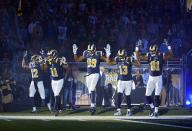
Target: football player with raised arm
(93, 63)
(125, 81)
(155, 60)
(58, 67)
(36, 67)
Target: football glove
(108, 50)
(75, 48)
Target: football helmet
(34, 58)
(121, 53)
(91, 48)
(153, 49)
(52, 54)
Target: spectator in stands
(138, 79)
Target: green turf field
(103, 124)
(101, 111)
(34, 125)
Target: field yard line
(151, 123)
(94, 117)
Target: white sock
(92, 105)
(156, 109)
(151, 105)
(118, 109)
(34, 108)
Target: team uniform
(155, 81)
(125, 82)
(93, 64)
(155, 74)
(57, 78)
(155, 60)
(37, 81)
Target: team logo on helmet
(52, 54)
(35, 58)
(153, 49)
(91, 48)
(121, 53)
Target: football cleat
(151, 113)
(92, 110)
(34, 111)
(129, 113)
(156, 114)
(118, 113)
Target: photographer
(6, 93)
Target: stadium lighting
(187, 103)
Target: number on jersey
(92, 63)
(154, 65)
(123, 70)
(54, 72)
(34, 73)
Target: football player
(125, 81)
(93, 64)
(58, 67)
(155, 60)
(36, 67)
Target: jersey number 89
(92, 63)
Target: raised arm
(24, 64)
(76, 57)
(139, 56)
(169, 54)
(107, 57)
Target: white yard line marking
(158, 124)
(94, 117)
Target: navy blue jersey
(125, 68)
(93, 62)
(56, 68)
(155, 64)
(36, 72)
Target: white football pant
(125, 86)
(57, 86)
(40, 87)
(91, 81)
(154, 82)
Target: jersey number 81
(154, 65)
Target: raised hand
(108, 50)
(75, 48)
